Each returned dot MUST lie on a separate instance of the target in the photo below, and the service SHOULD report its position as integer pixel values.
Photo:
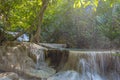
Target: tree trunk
(36, 37)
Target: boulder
(9, 76)
(15, 58)
(21, 58)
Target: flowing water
(90, 65)
(85, 65)
(40, 59)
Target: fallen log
(53, 45)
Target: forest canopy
(85, 24)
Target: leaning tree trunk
(36, 37)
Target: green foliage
(108, 21)
(20, 14)
(79, 23)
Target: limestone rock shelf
(29, 61)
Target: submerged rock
(43, 73)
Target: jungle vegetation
(85, 24)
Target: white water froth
(72, 75)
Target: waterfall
(40, 62)
(38, 51)
(40, 69)
(91, 65)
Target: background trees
(78, 23)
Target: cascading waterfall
(91, 65)
(38, 51)
(90, 68)
(41, 68)
(40, 59)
